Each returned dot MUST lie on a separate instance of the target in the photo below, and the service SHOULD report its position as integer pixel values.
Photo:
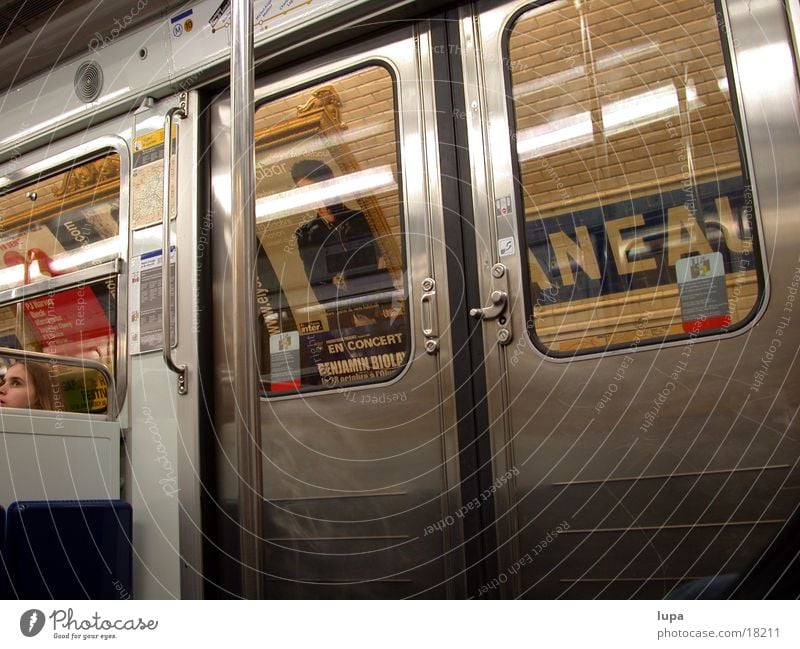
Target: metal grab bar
(83, 363)
(166, 270)
(244, 246)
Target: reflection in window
(330, 278)
(639, 219)
(41, 385)
(77, 322)
(49, 228)
(60, 223)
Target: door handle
(498, 305)
(499, 300)
(430, 321)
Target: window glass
(49, 228)
(638, 215)
(60, 223)
(77, 322)
(330, 274)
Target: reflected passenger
(338, 248)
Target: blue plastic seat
(69, 549)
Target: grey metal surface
(129, 76)
(712, 480)
(192, 229)
(352, 478)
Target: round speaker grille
(88, 81)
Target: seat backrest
(77, 549)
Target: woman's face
(17, 389)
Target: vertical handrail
(245, 382)
(166, 269)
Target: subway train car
(494, 299)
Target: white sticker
(145, 328)
(503, 206)
(703, 292)
(505, 247)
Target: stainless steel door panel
(595, 504)
(354, 477)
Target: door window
(638, 214)
(330, 275)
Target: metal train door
(360, 455)
(633, 163)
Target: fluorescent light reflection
(12, 276)
(556, 135)
(641, 109)
(627, 55)
(335, 190)
(84, 255)
(618, 116)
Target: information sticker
(146, 309)
(284, 355)
(703, 293)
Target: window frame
(113, 267)
(283, 88)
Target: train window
(330, 279)
(60, 223)
(44, 385)
(59, 237)
(638, 214)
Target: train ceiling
(36, 35)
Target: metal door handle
(499, 300)
(166, 269)
(498, 305)
(430, 325)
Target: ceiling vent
(88, 81)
